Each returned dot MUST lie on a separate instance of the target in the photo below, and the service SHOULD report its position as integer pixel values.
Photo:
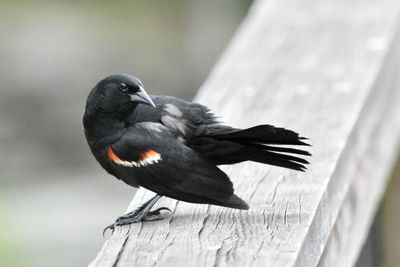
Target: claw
(111, 226)
(141, 214)
(157, 211)
(155, 215)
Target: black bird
(172, 147)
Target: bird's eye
(123, 87)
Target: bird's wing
(221, 144)
(187, 119)
(160, 162)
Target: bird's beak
(143, 98)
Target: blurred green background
(54, 198)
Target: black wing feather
(181, 173)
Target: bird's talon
(111, 227)
(160, 209)
(141, 214)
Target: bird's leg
(139, 209)
(142, 213)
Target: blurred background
(55, 199)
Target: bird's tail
(264, 144)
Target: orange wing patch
(147, 157)
(112, 156)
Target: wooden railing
(327, 69)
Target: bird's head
(119, 93)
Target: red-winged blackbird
(171, 146)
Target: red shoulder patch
(111, 155)
(147, 157)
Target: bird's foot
(137, 216)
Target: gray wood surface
(372, 172)
(327, 70)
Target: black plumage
(172, 147)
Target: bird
(173, 147)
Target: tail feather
(259, 144)
(265, 134)
(277, 159)
(281, 149)
(283, 156)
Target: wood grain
(325, 69)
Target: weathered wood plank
(321, 68)
(373, 171)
